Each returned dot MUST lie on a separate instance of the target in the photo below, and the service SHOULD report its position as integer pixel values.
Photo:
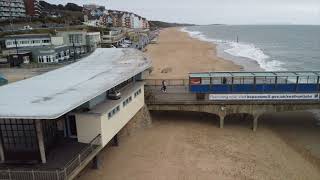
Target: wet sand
(189, 146)
(176, 54)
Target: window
(205, 81)
(40, 58)
(127, 101)
(308, 79)
(45, 41)
(137, 93)
(221, 80)
(286, 80)
(113, 112)
(18, 134)
(265, 80)
(24, 42)
(243, 80)
(75, 38)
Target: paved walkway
(180, 94)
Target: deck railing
(60, 174)
(169, 82)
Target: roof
(257, 74)
(53, 94)
(26, 36)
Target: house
(47, 120)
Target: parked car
(114, 95)
(124, 45)
(26, 28)
(127, 42)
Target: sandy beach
(187, 146)
(190, 146)
(176, 54)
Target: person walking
(164, 86)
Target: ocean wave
(244, 50)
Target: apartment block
(11, 9)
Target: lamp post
(11, 26)
(74, 52)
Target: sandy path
(177, 54)
(185, 146)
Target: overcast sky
(218, 11)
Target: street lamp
(74, 51)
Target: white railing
(169, 82)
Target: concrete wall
(141, 120)
(57, 41)
(89, 125)
(110, 127)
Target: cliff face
(161, 24)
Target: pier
(179, 98)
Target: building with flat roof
(80, 42)
(44, 48)
(27, 40)
(114, 37)
(84, 104)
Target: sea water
(264, 47)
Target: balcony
(58, 167)
(109, 39)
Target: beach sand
(176, 54)
(188, 146)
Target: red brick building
(32, 7)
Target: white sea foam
(244, 50)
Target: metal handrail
(169, 82)
(58, 174)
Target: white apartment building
(12, 9)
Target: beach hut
(3, 80)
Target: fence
(169, 82)
(59, 174)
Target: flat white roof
(51, 95)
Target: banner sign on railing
(312, 96)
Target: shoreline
(177, 54)
(247, 64)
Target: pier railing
(169, 82)
(65, 173)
